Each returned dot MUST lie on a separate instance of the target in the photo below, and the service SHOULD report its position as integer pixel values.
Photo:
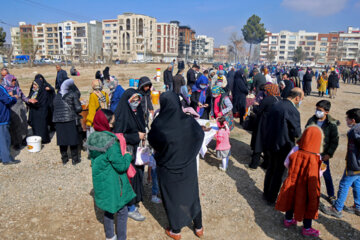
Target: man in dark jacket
(191, 75)
(258, 80)
(351, 177)
(333, 83)
(283, 127)
(168, 78)
(286, 85)
(331, 140)
(61, 76)
(6, 101)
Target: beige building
(167, 41)
(129, 37)
(15, 40)
(51, 38)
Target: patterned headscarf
(217, 90)
(271, 90)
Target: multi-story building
(129, 37)
(58, 39)
(15, 40)
(319, 48)
(221, 54)
(203, 48)
(186, 38)
(167, 41)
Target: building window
(51, 46)
(107, 32)
(282, 47)
(282, 52)
(282, 42)
(292, 37)
(311, 43)
(50, 35)
(322, 54)
(68, 34)
(114, 37)
(127, 24)
(334, 39)
(291, 48)
(273, 48)
(107, 38)
(283, 36)
(114, 31)
(310, 38)
(323, 49)
(324, 39)
(67, 28)
(292, 42)
(107, 25)
(323, 44)
(49, 29)
(80, 32)
(50, 41)
(274, 42)
(114, 24)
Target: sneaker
(155, 199)
(331, 211)
(175, 236)
(11, 162)
(290, 223)
(310, 232)
(221, 168)
(352, 210)
(135, 215)
(113, 238)
(332, 200)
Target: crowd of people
(122, 127)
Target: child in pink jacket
(223, 143)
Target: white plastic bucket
(33, 143)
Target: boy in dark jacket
(351, 177)
(6, 101)
(146, 104)
(331, 140)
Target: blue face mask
(189, 95)
(134, 105)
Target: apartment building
(57, 40)
(167, 41)
(129, 37)
(15, 40)
(203, 47)
(186, 38)
(323, 48)
(221, 54)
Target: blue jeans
(155, 185)
(328, 180)
(345, 183)
(5, 141)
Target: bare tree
(33, 54)
(317, 57)
(270, 56)
(79, 53)
(8, 52)
(238, 46)
(111, 45)
(340, 50)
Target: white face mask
(202, 86)
(319, 114)
(349, 125)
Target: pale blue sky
(217, 19)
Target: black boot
(75, 155)
(64, 154)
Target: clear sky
(217, 19)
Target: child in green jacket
(112, 189)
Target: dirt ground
(42, 199)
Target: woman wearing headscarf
(129, 120)
(106, 74)
(185, 100)
(67, 107)
(239, 94)
(51, 94)
(99, 99)
(179, 81)
(18, 121)
(322, 84)
(272, 95)
(300, 193)
(99, 76)
(177, 139)
(38, 112)
(145, 90)
(201, 97)
(307, 82)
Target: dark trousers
(197, 223)
(328, 180)
(121, 224)
(274, 173)
(170, 87)
(74, 154)
(256, 158)
(307, 222)
(5, 141)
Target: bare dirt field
(42, 199)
